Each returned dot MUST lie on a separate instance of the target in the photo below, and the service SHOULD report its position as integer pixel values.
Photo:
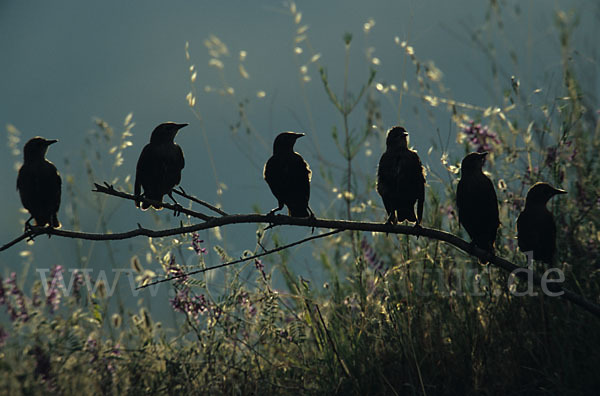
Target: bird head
(165, 132)
(284, 142)
(396, 137)
(35, 148)
(473, 162)
(540, 193)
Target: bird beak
(559, 191)
(179, 126)
(298, 135)
(49, 142)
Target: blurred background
(239, 73)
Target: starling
(535, 226)
(39, 184)
(159, 166)
(288, 176)
(477, 202)
(401, 179)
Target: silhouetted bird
(400, 179)
(536, 230)
(477, 202)
(288, 176)
(159, 166)
(39, 184)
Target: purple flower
(53, 294)
(78, 282)
(480, 137)
(196, 241)
(190, 305)
(91, 345)
(261, 267)
(18, 311)
(371, 257)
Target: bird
(536, 230)
(477, 202)
(159, 166)
(401, 179)
(39, 184)
(288, 176)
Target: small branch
(26, 234)
(110, 190)
(277, 249)
(182, 192)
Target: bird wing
(55, 185)
(289, 176)
(527, 235)
(141, 171)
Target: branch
(182, 192)
(312, 222)
(277, 249)
(110, 190)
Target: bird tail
(406, 213)
(298, 212)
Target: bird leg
(418, 227)
(28, 224)
(178, 207)
(278, 208)
(312, 217)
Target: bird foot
(272, 212)
(177, 209)
(418, 227)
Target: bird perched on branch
(288, 176)
(401, 179)
(159, 166)
(477, 202)
(536, 230)
(39, 184)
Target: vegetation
(397, 315)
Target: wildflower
(78, 282)
(53, 295)
(190, 305)
(196, 241)
(371, 257)
(480, 137)
(261, 267)
(91, 346)
(18, 311)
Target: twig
(277, 249)
(182, 192)
(110, 190)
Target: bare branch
(277, 249)
(182, 192)
(110, 190)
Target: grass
(395, 316)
